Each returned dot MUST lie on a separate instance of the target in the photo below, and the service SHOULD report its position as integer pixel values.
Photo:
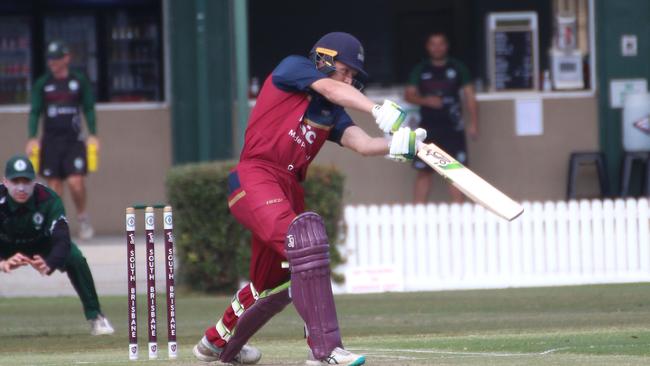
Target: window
(117, 44)
(394, 45)
(134, 69)
(15, 60)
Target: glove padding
(405, 142)
(389, 116)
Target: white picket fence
(435, 247)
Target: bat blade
(468, 182)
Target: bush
(213, 249)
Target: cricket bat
(469, 182)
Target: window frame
(116, 106)
(557, 94)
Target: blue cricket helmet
(339, 46)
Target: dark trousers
(79, 274)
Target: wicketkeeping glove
(404, 145)
(389, 116)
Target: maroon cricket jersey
(290, 123)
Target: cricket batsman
(34, 232)
(300, 106)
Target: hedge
(213, 249)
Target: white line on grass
(553, 350)
(372, 353)
(393, 357)
(455, 353)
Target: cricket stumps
(150, 222)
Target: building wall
(615, 19)
(134, 158)
(528, 168)
(202, 79)
(136, 153)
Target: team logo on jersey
(49, 88)
(38, 220)
(73, 85)
(3, 200)
(308, 135)
(451, 73)
(78, 163)
(20, 165)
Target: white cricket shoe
(207, 352)
(339, 356)
(100, 326)
(86, 231)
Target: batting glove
(404, 144)
(389, 116)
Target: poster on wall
(618, 88)
(529, 119)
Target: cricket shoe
(100, 326)
(339, 356)
(86, 231)
(207, 352)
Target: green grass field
(587, 325)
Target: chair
(583, 158)
(628, 165)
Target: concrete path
(107, 259)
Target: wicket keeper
(34, 232)
(299, 108)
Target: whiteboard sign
(618, 88)
(529, 117)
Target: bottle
(92, 157)
(34, 157)
(19, 92)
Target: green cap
(56, 50)
(19, 166)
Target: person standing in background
(435, 85)
(60, 95)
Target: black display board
(514, 60)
